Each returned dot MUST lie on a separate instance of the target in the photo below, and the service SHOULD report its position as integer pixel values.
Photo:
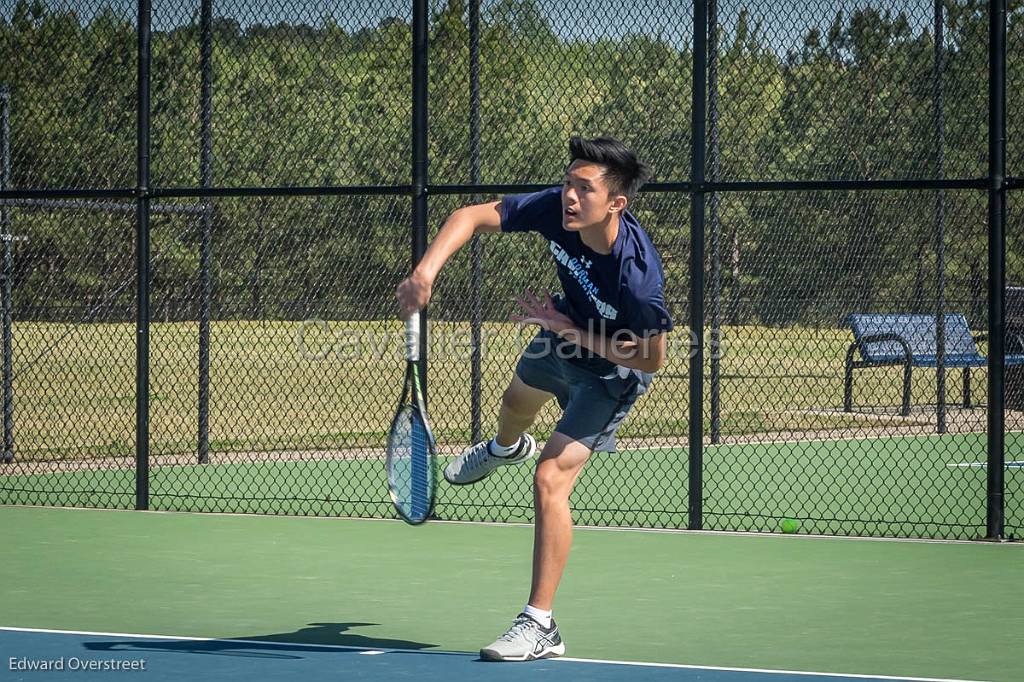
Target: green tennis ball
(790, 525)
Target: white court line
(766, 671)
(376, 651)
(982, 465)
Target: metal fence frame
(703, 187)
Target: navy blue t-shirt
(620, 290)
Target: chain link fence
(846, 173)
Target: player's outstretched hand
(542, 312)
(413, 294)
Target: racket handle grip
(412, 337)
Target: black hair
(625, 174)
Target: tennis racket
(411, 455)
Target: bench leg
(967, 386)
(848, 384)
(906, 390)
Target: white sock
(540, 615)
(502, 450)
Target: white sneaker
(526, 640)
(477, 462)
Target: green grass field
(295, 386)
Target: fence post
(476, 248)
(205, 181)
(696, 434)
(940, 220)
(142, 256)
(714, 227)
(996, 266)
(420, 176)
(8, 272)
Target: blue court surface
(42, 654)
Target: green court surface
(902, 608)
(926, 486)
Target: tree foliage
(330, 104)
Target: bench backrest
(917, 330)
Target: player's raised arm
(414, 291)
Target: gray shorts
(594, 401)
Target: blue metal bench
(885, 340)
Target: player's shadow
(316, 638)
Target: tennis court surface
(748, 486)
(165, 658)
(269, 597)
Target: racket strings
(409, 464)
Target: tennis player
(597, 349)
